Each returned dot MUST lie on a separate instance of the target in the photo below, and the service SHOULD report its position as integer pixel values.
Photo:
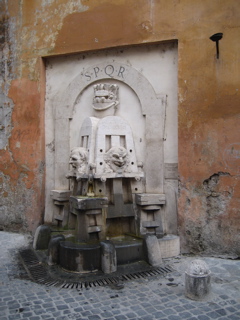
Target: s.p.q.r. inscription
(109, 70)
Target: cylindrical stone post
(197, 280)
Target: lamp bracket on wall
(215, 38)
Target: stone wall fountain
(111, 205)
(103, 166)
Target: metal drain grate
(41, 273)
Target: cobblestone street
(150, 298)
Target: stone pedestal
(149, 213)
(61, 209)
(91, 217)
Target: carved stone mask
(117, 158)
(78, 158)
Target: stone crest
(105, 96)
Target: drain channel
(41, 273)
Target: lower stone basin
(128, 249)
(86, 257)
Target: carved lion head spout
(78, 161)
(105, 96)
(117, 159)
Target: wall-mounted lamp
(216, 37)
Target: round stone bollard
(197, 280)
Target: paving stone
(27, 314)
(68, 300)
(131, 315)
(147, 317)
(121, 317)
(141, 312)
(168, 311)
(62, 307)
(189, 306)
(48, 305)
(231, 309)
(39, 311)
(213, 315)
(78, 309)
(150, 309)
(205, 309)
(86, 313)
(106, 314)
(185, 314)
(203, 317)
(14, 317)
(53, 309)
(56, 314)
(222, 312)
(94, 317)
(174, 317)
(158, 315)
(178, 308)
(233, 302)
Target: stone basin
(86, 256)
(129, 249)
(80, 257)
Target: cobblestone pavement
(147, 299)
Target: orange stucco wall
(209, 101)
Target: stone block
(60, 195)
(42, 237)
(108, 257)
(147, 199)
(83, 203)
(150, 224)
(169, 246)
(53, 249)
(153, 250)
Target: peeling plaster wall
(209, 146)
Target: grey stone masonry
(146, 299)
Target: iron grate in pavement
(41, 273)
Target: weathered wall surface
(209, 147)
